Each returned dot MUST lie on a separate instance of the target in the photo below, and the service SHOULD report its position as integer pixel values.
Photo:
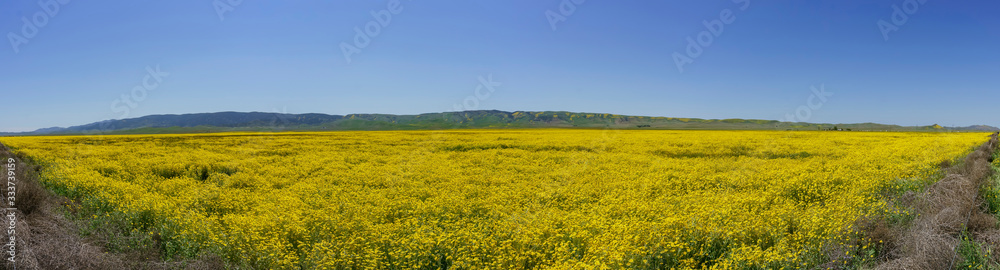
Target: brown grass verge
(47, 239)
(946, 209)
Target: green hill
(257, 121)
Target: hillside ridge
(261, 121)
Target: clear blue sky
(941, 66)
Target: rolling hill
(259, 121)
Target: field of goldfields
(494, 199)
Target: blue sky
(84, 62)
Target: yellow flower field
(495, 199)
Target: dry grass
(47, 239)
(990, 239)
(871, 232)
(982, 222)
(30, 194)
(946, 209)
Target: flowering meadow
(494, 199)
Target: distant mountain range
(259, 121)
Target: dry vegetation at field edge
(47, 239)
(949, 211)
